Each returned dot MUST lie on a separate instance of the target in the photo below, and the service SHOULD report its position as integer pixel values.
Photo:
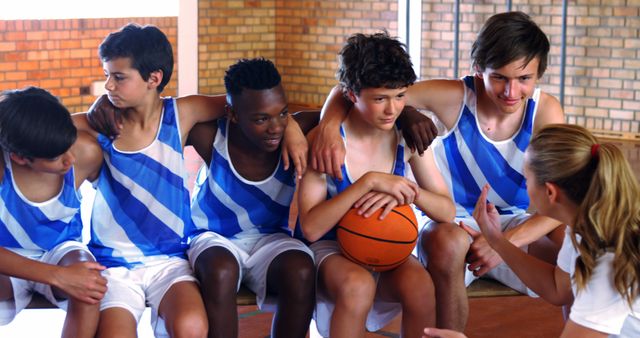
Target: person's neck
(359, 128)
(144, 113)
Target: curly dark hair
(374, 61)
(256, 74)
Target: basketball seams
(405, 217)
(378, 238)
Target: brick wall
(229, 30)
(309, 35)
(62, 55)
(602, 82)
(301, 37)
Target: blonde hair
(600, 181)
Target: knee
(294, 273)
(357, 292)
(190, 325)
(445, 246)
(217, 266)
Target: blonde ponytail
(600, 181)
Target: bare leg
(116, 322)
(410, 285)
(217, 270)
(352, 288)
(82, 318)
(6, 289)
(446, 246)
(183, 311)
(291, 276)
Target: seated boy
(376, 71)
(241, 203)
(44, 160)
(141, 218)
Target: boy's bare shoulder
(88, 154)
(549, 111)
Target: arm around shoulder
(200, 108)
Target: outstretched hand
(104, 117)
(481, 257)
(418, 130)
(487, 217)
(81, 281)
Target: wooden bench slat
(479, 288)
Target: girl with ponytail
(590, 187)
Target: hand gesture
(81, 281)
(372, 201)
(328, 152)
(295, 147)
(105, 118)
(418, 130)
(487, 217)
(481, 257)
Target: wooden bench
(477, 289)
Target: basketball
(376, 244)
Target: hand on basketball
(295, 147)
(81, 281)
(372, 201)
(327, 151)
(403, 190)
(104, 117)
(432, 332)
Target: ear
(155, 78)
(352, 96)
(553, 192)
(21, 160)
(479, 73)
(231, 113)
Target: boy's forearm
(335, 108)
(15, 265)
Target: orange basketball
(377, 244)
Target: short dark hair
(374, 61)
(507, 37)
(256, 74)
(146, 46)
(34, 124)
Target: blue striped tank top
(468, 159)
(141, 209)
(38, 227)
(234, 207)
(334, 186)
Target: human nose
(511, 88)
(69, 158)
(108, 84)
(276, 125)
